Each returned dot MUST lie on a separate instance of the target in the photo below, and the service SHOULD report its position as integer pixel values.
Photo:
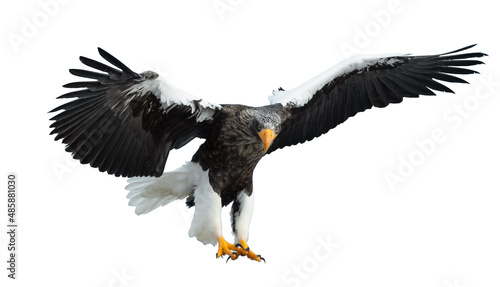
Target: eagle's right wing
(126, 123)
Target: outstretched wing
(126, 123)
(360, 83)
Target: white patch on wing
(206, 225)
(242, 220)
(149, 193)
(169, 95)
(302, 94)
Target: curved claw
(233, 256)
(226, 248)
(242, 247)
(255, 257)
(236, 250)
(244, 250)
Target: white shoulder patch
(170, 95)
(302, 94)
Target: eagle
(126, 123)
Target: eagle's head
(266, 125)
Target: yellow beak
(267, 137)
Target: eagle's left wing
(359, 83)
(126, 123)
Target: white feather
(302, 94)
(149, 193)
(170, 95)
(242, 220)
(206, 225)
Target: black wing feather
(119, 129)
(378, 84)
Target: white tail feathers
(149, 193)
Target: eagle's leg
(241, 215)
(206, 225)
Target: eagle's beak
(267, 137)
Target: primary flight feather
(125, 123)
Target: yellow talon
(226, 248)
(243, 248)
(245, 251)
(234, 251)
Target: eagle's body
(126, 123)
(232, 150)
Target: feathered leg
(241, 215)
(206, 225)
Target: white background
(438, 227)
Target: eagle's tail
(149, 193)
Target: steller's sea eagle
(125, 123)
